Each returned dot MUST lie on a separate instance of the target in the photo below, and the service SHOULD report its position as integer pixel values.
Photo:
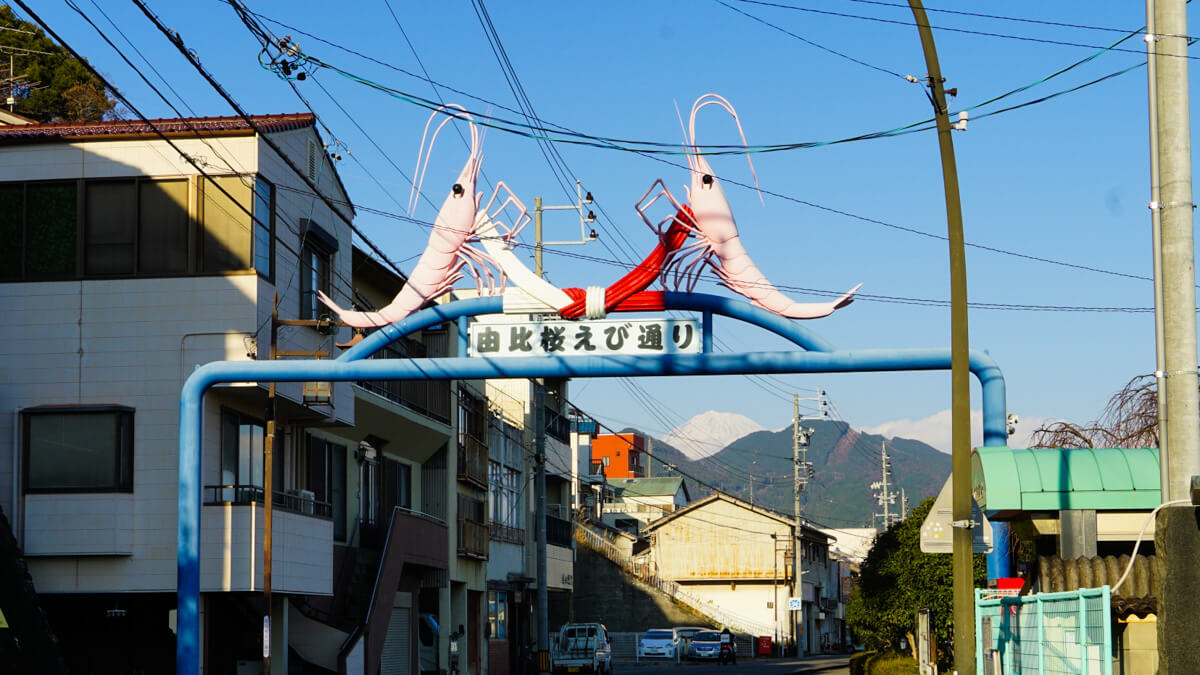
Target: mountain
(846, 461)
(708, 433)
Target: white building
(126, 268)
(738, 557)
(631, 503)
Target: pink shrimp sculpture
(449, 249)
(719, 245)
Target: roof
(189, 126)
(1052, 479)
(647, 487)
(694, 506)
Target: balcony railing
(473, 538)
(296, 502)
(557, 426)
(427, 397)
(512, 535)
(473, 461)
(558, 531)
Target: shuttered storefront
(397, 646)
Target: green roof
(1053, 479)
(646, 487)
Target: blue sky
(1064, 180)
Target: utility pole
(886, 497)
(802, 470)
(539, 421)
(268, 490)
(960, 384)
(1176, 537)
(539, 455)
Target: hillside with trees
(47, 83)
(758, 468)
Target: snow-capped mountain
(708, 433)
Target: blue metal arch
(354, 365)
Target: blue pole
(354, 366)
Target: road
(831, 665)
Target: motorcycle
(727, 655)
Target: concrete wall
(603, 593)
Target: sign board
(555, 337)
(795, 604)
(937, 534)
(266, 637)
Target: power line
(967, 31)
(810, 42)
(175, 40)
(1018, 19)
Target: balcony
(427, 397)
(558, 531)
(473, 461)
(473, 539)
(558, 426)
(512, 535)
(293, 501)
(474, 534)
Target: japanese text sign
(555, 337)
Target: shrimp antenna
(720, 101)
(419, 171)
(687, 142)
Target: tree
(1130, 420)
(55, 87)
(897, 579)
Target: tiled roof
(137, 128)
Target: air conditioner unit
(307, 498)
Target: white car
(659, 642)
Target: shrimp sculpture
(719, 245)
(449, 250)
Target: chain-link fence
(1044, 633)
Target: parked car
(659, 642)
(686, 633)
(582, 647)
(705, 645)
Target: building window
(110, 227)
(498, 615)
(397, 485)
(225, 223)
(242, 442)
(164, 228)
(325, 478)
(264, 229)
(503, 495)
(102, 228)
(78, 449)
(316, 267)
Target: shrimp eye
(457, 190)
(707, 179)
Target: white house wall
(231, 550)
(122, 342)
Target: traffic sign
(795, 605)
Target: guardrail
(720, 617)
